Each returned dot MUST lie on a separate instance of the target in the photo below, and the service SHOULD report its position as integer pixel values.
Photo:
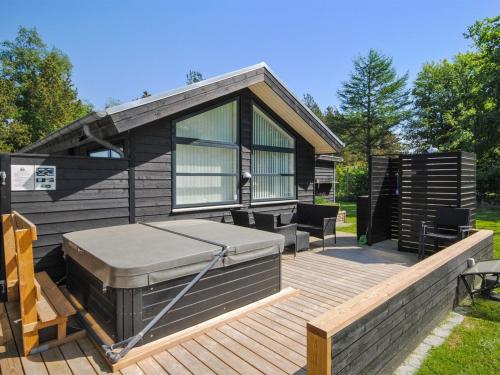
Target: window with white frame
(206, 157)
(273, 160)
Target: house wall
(151, 153)
(95, 192)
(324, 178)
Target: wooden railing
(40, 301)
(379, 327)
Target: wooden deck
(271, 340)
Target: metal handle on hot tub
(129, 343)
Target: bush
(352, 181)
(488, 184)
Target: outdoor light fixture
(246, 175)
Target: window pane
(267, 133)
(273, 187)
(114, 154)
(202, 159)
(205, 189)
(218, 124)
(269, 162)
(99, 154)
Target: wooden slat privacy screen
(429, 181)
(383, 198)
(405, 190)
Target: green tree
(374, 101)
(37, 95)
(310, 103)
(457, 102)
(111, 102)
(193, 76)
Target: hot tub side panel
(124, 312)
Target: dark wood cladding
(124, 312)
(91, 193)
(424, 182)
(383, 218)
(153, 167)
(429, 181)
(381, 339)
(324, 177)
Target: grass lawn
(349, 207)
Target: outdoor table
(489, 272)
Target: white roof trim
(180, 90)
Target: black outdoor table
(489, 272)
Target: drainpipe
(102, 142)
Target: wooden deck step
(54, 295)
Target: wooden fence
(429, 181)
(90, 193)
(376, 330)
(405, 190)
(383, 198)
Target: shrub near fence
(352, 181)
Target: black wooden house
(237, 140)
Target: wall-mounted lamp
(246, 176)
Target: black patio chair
(241, 218)
(268, 222)
(451, 224)
(318, 220)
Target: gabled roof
(258, 78)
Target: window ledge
(206, 208)
(265, 203)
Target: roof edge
(182, 89)
(108, 112)
(307, 109)
(75, 125)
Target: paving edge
(435, 338)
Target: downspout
(102, 142)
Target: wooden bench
(41, 302)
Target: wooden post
(319, 353)
(9, 247)
(61, 329)
(27, 289)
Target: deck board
(270, 340)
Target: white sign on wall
(33, 177)
(45, 177)
(22, 177)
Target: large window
(206, 157)
(273, 160)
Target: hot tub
(124, 275)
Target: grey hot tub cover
(137, 255)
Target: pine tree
(375, 101)
(310, 103)
(193, 76)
